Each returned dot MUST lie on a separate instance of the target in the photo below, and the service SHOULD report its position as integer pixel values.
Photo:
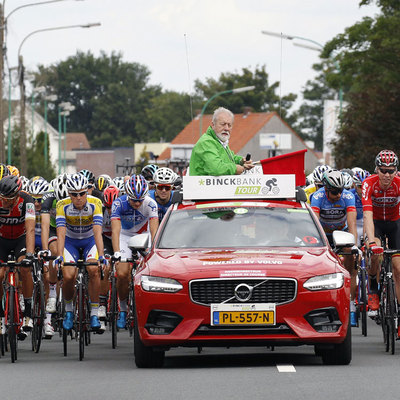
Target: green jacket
(209, 157)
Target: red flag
(290, 163)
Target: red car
(241, 273)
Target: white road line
(286, 368)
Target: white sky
(221, 35)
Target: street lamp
(61, 109)
(65, 114)
(237, 90)
(39, 90)
(22, 87)
(319, 48)
(52, 98)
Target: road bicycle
(38, 304)
(11, 306)
(363, 290)
(112, 303)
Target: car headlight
(325, 282)
(158, 284)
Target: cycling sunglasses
(136, 200)
(76, 194)
(164, 187)
(335, 192)
(38, 199)
(387, 171)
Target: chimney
(246, 111)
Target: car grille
(266, 290)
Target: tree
(262, 98)
(369, 55)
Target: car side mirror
(139, 243)
(342, 239)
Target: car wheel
(341, 352)
(146, 357)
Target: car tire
(340, 354)
(146, 357)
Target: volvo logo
(243, 292)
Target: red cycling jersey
(12, 222)
(385, 204)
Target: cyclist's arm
(153, 224)
(61, 231)
(98, 238)
(45, 230)
(369, 227)
(115, 232)
(30, 235)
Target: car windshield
(240, 227)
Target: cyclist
(164, 179)
(381, 205)
(110, 194)
(148, 172)
(17, 233)
(317, 184)
(79, 225)
(336, 209)
(89, 175)
(4, 171)
(118, 181)
(131, 214)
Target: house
(262, 135)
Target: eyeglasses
(38, 199)
(387, 171)
(335, 192)
(76, 194)
(136, 200)
(164, 187)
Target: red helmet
(109, 195)
(386, 158)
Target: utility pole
(2, 142)
(22, 162)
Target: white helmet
(119, 183)
(38, 187)
(348, 181)
(24, 181)
(60, 186)
(164, 176)
(318, 173)
(77, 182)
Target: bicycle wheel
(113, 312)
(363, 301)
(87, 318)
(391, 307)
(38, 315)
(12, 321)
(81, 322)
(131, 309)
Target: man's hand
(247, 164)
(44, 253)
(239, 169)
(59, 261)
(103, 261)
(376, 250)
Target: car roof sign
(247, 186)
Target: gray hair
(221, 110)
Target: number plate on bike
(243, 314)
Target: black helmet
(10, 186)
(89, 175)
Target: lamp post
(22, 88)
(65, 114)
(52, 98)
(9, 141)
(61, 108)
(237, 90)
(39, 90)
(319, 48)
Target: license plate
(243, 314)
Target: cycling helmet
(4, 171)
(102, 181)
(360, 176)
(136, 187)
(348, 181)
(387, 158)
(164, 176)
(38, 187)
(110, 194)
(333, 179)
(89, 175)
(148, 171)
(60, 187)
(25, 182)
(348, 171)
(318, 173)
(76, 183)
(118, 181)
(10, 186)
(309, 179)
(355, 170)
(13, 170)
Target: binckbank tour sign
(251, 186)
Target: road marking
(286, 368)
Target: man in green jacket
(211, 154)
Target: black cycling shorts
(108, 248)
(7, 245)
(391, 229)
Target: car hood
(196, 264)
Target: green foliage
(262, 99)
(369, 55)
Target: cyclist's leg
(91, 255)
(4, 251)
(71, 254)
(104, 284)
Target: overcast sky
(183, 40)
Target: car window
(240, 227)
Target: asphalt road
(245, 373)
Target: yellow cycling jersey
(310, 189)
(79, 223)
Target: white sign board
(276, 141)
(238, 187)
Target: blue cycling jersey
(359, 207)
(333, 216)
(162, 208)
